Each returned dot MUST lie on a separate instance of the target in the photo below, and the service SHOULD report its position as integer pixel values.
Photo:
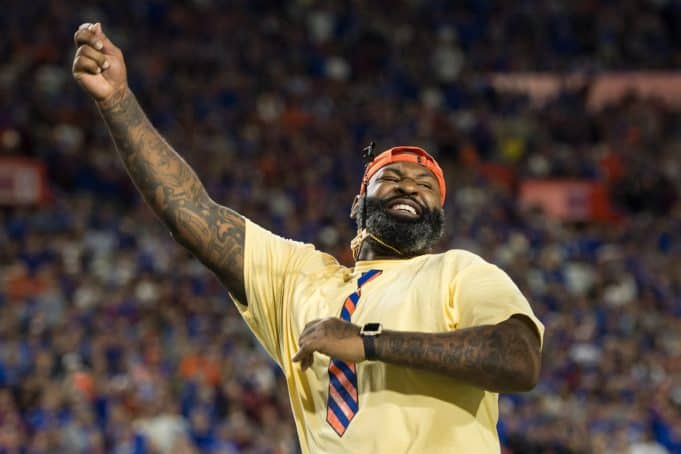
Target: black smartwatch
(369, 332)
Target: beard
(411, 237)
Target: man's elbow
(527, 372)
(526, 353)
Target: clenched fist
(330, 336)
(98, 65)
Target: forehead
(405, 168)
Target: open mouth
(405, 208)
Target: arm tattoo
(499, 358)
(213, 233)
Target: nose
(407, 186)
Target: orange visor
(405, 154)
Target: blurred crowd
(114, 339)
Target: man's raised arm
(213, 233)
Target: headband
(405, 154)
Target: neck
(362, 238)
(371, 251)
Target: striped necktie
(343, 403)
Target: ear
(355, 207)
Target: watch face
(371, 329)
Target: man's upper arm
(216, 236)
(485, 295)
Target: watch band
(369, 347)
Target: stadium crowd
(114, 339)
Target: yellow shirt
(401, 410)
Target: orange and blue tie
(343, 402)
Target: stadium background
(113, 339)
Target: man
(404, 352)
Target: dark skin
(503, 357)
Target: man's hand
(98, 65)
(332, 337)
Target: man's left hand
(330, 336)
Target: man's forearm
(215, 234)
(500, 358)
(162, 176)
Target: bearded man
(404, 352)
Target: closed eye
(426, 185)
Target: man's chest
(400, 301)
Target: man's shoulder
(460, 258)
(450, 263)
(258, 236)
(293, 252)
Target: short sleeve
(483, 294)
(271, 264)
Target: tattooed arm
(503, 358)
(213, 233)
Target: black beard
(410, 236)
